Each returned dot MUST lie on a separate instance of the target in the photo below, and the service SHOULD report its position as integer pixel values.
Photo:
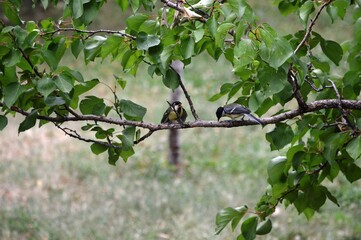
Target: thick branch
(311, 107)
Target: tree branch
(182, 10)
(292, 79)
(89, 32)
(72, 133)
(339, 104)
(178, 70)
(148, 134)
(312, 23)
(311, 107)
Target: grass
(52, 187)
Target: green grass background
(53, 187)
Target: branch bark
(311, 107)
(89, 32)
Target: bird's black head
(219, 112)
(177, 103)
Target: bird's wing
(236, 109)
(255, 118)
(165, 116)
(184, 116)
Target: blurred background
(53, 187)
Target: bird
(174, 113)
(234, 111)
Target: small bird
(174, 113)
(234, 111)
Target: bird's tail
(255, 119)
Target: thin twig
(188, 97)
(310, 26)
(291, 77)
(27, 59)
(72, 133)
(89, 32)
(340, 106)
(148, 134)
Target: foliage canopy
(312, 83)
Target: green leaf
(332, 50)
(281, 135)
(92, 105)
(29, 121)
(97, 148)
(3, 122)
(353, 148)
(46, 86)
(12, 58)
(249, 228)
(125, 154)
(227, 215)
(11, 12)
(264, 227)
(12, 92)
(111, 46)
(77, 46)
(53, 53)
(52, 101)
(272, 81)
(113, 155)
(329, 195)
(121, 81)
(287, 7)
(134, 22)
(308, 212)
(245, 52)
(145, 41)
(222, 32)
(225, 88)
(315, 197)
(127, 138)
(337, 9)
(187, 47)
(131, 110)
(77, 8)
(198, 34)
(295, 154)
(93, 48)
(276, 170)
(211, 25)
(305, 10)
(123, 4)
(276, 54)
(64, 83)
(351, 171)
(235, 88)
(134, 4)
(171, 79)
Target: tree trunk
(174, 139)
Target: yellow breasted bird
(235, 111)
(174, 112)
